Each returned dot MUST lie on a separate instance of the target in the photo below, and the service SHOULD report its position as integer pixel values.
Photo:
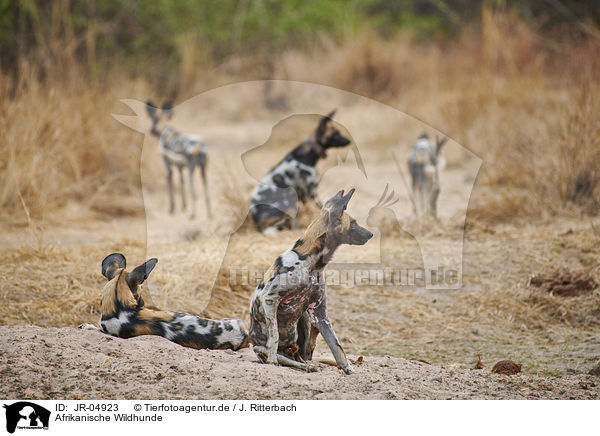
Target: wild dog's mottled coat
(275, 199)
(423, 163)
(182, 151)
(288, 308)
(125, 315)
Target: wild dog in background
(424, 164)
(125, 315)
(179, 150)
(289, 308)
(275, 199)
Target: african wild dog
(424, 163)
(275, 198)
(125, 315)
(182, 151)
(288, 308)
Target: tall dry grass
(526, 103)
(61, 145)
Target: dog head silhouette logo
(25, 414)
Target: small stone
(595, 370)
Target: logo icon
(26, 415)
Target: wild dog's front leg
(205, 184)
(326, 330)
(269, 304)
(319, 316)
(192, 210)
(170, 185)
(433, 197)
(182, 188)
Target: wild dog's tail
(244, 329)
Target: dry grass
(502, 93)
(60, 145)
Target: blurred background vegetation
(155, 38)
(514, 81)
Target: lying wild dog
(179, 150)
(423, 163)
(275, 199)
(125, 315)
(288, 308)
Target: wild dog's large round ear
(327, 118)
(167, 108)
(333, 200)
(346, 198)
(335, 205)
(440, 144)
(111, 264)
(140, 273)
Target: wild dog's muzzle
(358, 235)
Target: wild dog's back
(295, 178)
(124, 314)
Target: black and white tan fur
(289, 307)
(179, 150)
(124, 312)
(424, 163)
(275, 199)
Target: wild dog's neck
(316, 246)
(155, 131)
(159, 127)
(309, 152)
(330, 244)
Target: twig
(410, 193)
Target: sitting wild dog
(288, 309)
(124, 313)
(180, 150)
(423, 163)
(275, 199)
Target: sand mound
(67, 363)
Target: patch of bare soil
(565, 283)
(67, 363)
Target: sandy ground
(50, 282)
(66, 363)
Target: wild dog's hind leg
(87, 327)
(307, 337)
(269, 304)
(192, 211)
(284, 360)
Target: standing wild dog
(275, 198)
(124, 313)
(424, 163)
(288, 308)
(182, 151)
